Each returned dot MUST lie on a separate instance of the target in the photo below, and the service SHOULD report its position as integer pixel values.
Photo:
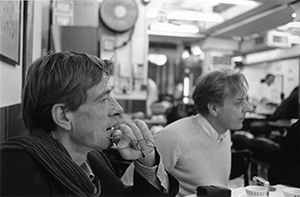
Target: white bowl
(291, 192)
(255, 191)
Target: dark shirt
(21, 175)
(285, 167)
(289, 108)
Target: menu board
(10, 19)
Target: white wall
(289, 68)
(10, 84)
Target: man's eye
(240, 102)
(103, 100)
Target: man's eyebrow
(107, 92)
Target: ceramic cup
(291, 192)
(256, 191)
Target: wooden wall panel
(11, 122)
(2, 124)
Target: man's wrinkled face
(94, 121)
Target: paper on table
(240, 192)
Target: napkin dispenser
(213, 191)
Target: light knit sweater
(193, 156)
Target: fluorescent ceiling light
(236, 2)
(287, 26)
(186, 86)
(167, 27)
(152, 12)
(176, 34)
(195, 16)
(295, 24)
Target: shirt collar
(88, 171)
(209, 129)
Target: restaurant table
(253, 120)
(280, 123)
(240, 192)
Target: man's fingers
(136, 130)
(144, 129)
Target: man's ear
(213, 109)
(60, 116)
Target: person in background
(268, 92)
(152, 96)
(71, 117)
(285, 167)
(197, 149)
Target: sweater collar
(208, 128)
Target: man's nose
(247, 107)
(116, 108)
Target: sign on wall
(10, 20)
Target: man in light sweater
(197, 149)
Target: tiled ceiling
(239, 20)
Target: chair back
(263, 149)
(240, 140)
(240, 161)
